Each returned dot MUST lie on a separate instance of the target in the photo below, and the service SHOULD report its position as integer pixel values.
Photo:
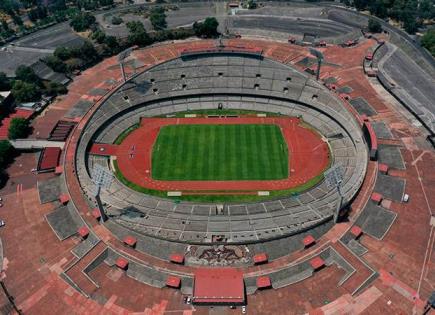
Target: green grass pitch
(220, 152)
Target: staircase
(363, 274)
(78, 277)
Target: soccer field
(220, 152)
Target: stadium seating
(240, 82)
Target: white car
(405, 198)
(2, 223)
(243, 309)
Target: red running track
(308, 155)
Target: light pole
(121, 56)
(320, 58)
(334, 179)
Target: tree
(57, 5)
(251, 4)
(208, 28)
(374, 26)
(9, 7)
(55, 64)
(360, 4)
(98, 36)
(378, 8)
(426, 9)
(26, 74)
(54, 89)
(62, 53)
(29, 3)
(112, 45)
(88, 53)
(19, 128)
(138, 35)
(428, 41)
(4, 82)
(25, 92)
(82, 22)
(38, 13)
(409, 23)
(158, 18)
(6, 152)
(116, 20)
(17, 20)
(105, 3)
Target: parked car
(2, 223)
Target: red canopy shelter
(63, 198)
(383, 168)
(213, 286)
(263, 282)
(173, 282)
(317, 263)
(122, 263)
(260, 258)
(96, 213)
(130, 240)
(308, 240)
(177, 258)
(376, 197)
(356, 231)
(83, 231)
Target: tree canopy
(26, 74)
(6, 150)
(19, 128)
(208, 28)
(374, 26)
(410, 13)
(428, 41)
(25, 92)
(158, 18)
(4, 82)
(138, 35)
(82, 22)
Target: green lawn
(220, 152)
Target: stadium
(257, 173)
